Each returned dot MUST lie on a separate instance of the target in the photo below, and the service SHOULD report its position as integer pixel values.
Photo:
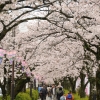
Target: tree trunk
(98, 83)
(92, 81)
(9, 86)
(65, 83)
(3, 92)
(20, 85)
(73, 84)
(73, 88)
(91, 87)
(82, 93)
(82, 88)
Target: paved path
(46, 98)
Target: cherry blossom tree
(49, 53)
(14, 12)
(61, 24)
(83, 23)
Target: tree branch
(4, 4)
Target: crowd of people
(54, 93)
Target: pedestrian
(50, 94)
(62, 97)
(59, 92)
(69, 96)
(54, 92)
(39, 89)
(43, 93)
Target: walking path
(46, 98)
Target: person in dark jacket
(59, 93)
(43, 93)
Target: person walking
(43, 93)
(53, 92)
(69, 96)
(49, 94)
(59, 92)
(62, 97)
(39, 90)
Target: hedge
(25, 95)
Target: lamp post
(11, 56)
(13, 53)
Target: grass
(76, 96)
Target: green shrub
(0, 97)
(35, 94)
(23, 96)
(7, 98)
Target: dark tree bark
(92, 81)
(20, 85)
(73, 83)
(65, 83)
(83, 85)
(98, 83)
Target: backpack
(69, 96)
